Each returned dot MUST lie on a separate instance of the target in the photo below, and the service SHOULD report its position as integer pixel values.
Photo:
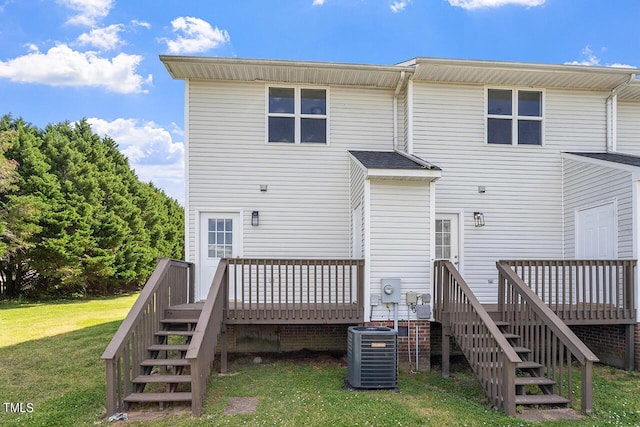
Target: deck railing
(489, 353)
(295, 290)
(201, 352)
(170, 284)
(583, 291)
(553, 344)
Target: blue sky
(98, 59)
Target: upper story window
(514, 117)
(297, 115)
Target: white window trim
(514, 116)
(297, 115)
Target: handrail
(490, 355)
(521, 305)
(166, 286)
(201, 351)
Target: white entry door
(597, 232)
(447, 238)
(220, 237)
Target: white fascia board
(602, 163)
(409, 174)
(187, 146)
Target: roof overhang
(433, 70)
(396, 165)
(584, 158)
(475, 72)
(299, 72)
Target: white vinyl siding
(305, 212)
(629, 128)
(522, 204)
(588, 185)
(400, 229)
(356, 180)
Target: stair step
(159, 397)
(176, 333)
(178, 320)
(145, 379)
(509, 335)
(534, 381)
(527, 364)
(168, 347)
(501, 323)
(164, 362)
(519, 349)
(541, 399)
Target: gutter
(612, 115)
(395, 109)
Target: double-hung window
(297, 115)
(514, 116)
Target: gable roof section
(618, 158)
(439, 70)
(395, 165)
(300, 72)
(434, 70)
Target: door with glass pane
(219, 238)
(446, 235)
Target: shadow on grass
(12, 304)
(61, 377)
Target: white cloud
(106, 38)
(194, 35)
(63, 66)
(588, 58)
(138, 23)
(88, 12)
(479, 4)
(399, 6)
(318, 2)
(151, 151)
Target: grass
(50, 357)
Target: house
(355, 180)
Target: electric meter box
(390, 292)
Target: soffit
(316, 73)
(522, 74)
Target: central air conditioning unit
(372, 357)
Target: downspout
(395, 110)
(410, 112)
(612, 115)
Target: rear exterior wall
(522, 204)
(305, 211)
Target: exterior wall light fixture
(478, 219)
(255, 218)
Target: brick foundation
(605, 341)
(277, 338)
(423, 328)
(283, 338)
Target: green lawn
(50, 358)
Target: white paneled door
(597, 232)
(220, 237)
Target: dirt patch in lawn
(241, 405)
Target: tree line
(74, 218)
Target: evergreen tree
(83, 221)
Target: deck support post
(446, 342)
(223, 349)
(630, 344)
(587, 388)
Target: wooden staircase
(165, 374)
(531, 387)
